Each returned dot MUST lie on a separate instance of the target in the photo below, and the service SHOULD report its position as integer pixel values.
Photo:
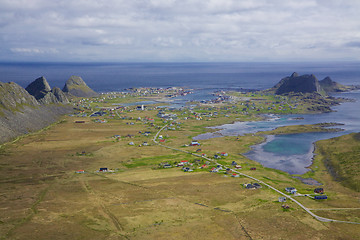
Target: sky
(179, 30)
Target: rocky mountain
(309, 84)
(38, 88)
(330, 86)
(31, 109)
(298, 84)
(77, 87)
(21, 113)
(41, 90)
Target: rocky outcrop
(330, 86)
(41, 90)
(38, 88)
(77, 87)
(298, 84)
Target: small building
(228, 171)
(217, 156)
(104, 169)
(291, 190)
(253, 168)
(320, 197)
(131, 143)
(233, 163)
(167, 165)
(184, 162)
(249, 186)
(198, 150)
(235, 175)
(224, 154)
(204, 166)
(282, 199)
(257, 185)
(319, 190)
(214, 170)
(194, 143)
(79, 121)
(80, 171)
(238, 167)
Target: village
(174, 119)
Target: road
(322, 219)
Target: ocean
(104, 77)
(291, 153)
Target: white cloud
(168, 30)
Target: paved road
(322, 219)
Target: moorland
(99, 174)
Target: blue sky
(179, 30)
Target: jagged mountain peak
(38, 88)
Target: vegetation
(341, 157)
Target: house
(131, 143)
(195, 143)
(167, 165)
(320, 197)
(104, 169)
(198, 150)
(228, 171)
(204, 166)
(253, 168)
(319, 190)
(282, 199)
(291, 190)
(238, 167)
(214, 170)
(186, 169)
(257, 185)
(145, 144)
(80, 171)
(235, 175)
(217, 156)
(224, 154)
(184, 162)
(249, 186)
(162, 140)
(233, 163)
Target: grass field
(43, 198)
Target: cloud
(33, 50)
(168, 30)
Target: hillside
(341, 157)
(77, 87)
